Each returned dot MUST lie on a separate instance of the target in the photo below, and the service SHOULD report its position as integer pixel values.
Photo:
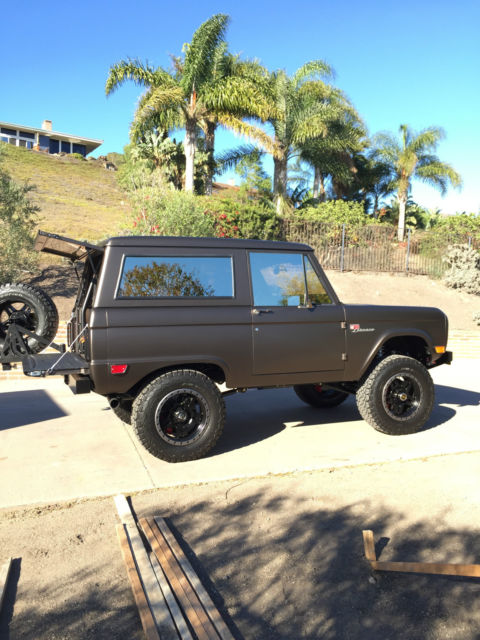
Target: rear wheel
(179, 416)
(319, 396)
(397, 396)
(30, 308)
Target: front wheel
(179, 416)
(397, 396)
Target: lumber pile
(172, 602)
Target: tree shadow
(6, 612)
(20, 408)
(299, 572)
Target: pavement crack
(135, 446)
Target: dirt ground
(60, 282)
(281, 556)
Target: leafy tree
(253, 175)
(412, 156)
(200, 92)
(17, 224)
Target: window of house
(176, 277)
(79, 148)
(9, 132)
(65, 146)
(284, 280)
(27, 134)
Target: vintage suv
(160, 324)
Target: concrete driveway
(56, 447)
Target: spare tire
(30, 308)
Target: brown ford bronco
(160, 324)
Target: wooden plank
(369, 546)
(434, 568)
(161, 614)
(146, 617)
(191, 605)
(4, 573)
(169, 596)
(202, 593)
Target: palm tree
(413, 157)
(307, 109)
(334, 155)
(194, 94)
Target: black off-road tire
(33, 310)
(124, 411)
(322, 398)
(397, 396)
(166, 412)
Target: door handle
(257, 312)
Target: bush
(335, 212)
(237, 218)
(158, 209)
(77, 156)
(17, 223)
(464, 269)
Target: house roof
(90, 143)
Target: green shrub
(158, 209)
(335, 212)
(17, 223)
(237, 218)
(77, 156)
(464, 269)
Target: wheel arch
(213, 370)
(416, 344)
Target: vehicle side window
(176, 277)
(316, 290)
(277, 279)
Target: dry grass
(77, 198)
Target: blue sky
(399, 62)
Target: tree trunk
(280, 182)
(190, 145)
(316, 182)
(402, 204)
(210, 148)
(375, 206)
(322, 188)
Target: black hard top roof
(230, 243)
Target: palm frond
(439, 175)
(200, 52)
(232, 157)
(242, 128)
(426, 140)
(131, 69)
(313, 70)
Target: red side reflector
(115, 369)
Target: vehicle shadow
(456, 396)
(255, 416)
(19, 408)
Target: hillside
(77, 198)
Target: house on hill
(45, 139)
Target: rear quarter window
(176, 277)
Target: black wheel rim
(181, 417)
(19, 313)
(402, 396)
